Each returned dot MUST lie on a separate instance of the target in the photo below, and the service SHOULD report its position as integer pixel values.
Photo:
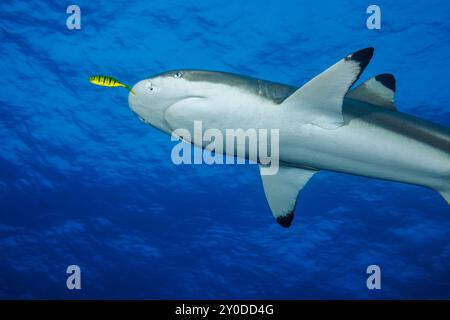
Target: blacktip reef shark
(324, 125)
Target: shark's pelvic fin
(379, 91)
(282, 189)
(320, 100)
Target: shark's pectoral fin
(379, 91)
(320, 100)
(282, 189)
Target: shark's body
(322, 125)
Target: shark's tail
(380, 91)
(446, 195)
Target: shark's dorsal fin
(282, 189)
(320, 100)
(379, 91)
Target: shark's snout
(135, 98)
(148, 104)
(141, 86)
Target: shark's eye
(178, 74)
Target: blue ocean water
(83, 181)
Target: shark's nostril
(149, 86)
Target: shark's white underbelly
(365, 145)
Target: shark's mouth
(182, 100)
(177, 102)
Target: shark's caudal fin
(379, 91)
(320, 100)
(445, 194)
(282, 189)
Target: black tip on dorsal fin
(285, 221)
(387, 80)
(362, 56)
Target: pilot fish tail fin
(320, 101)
(129, 89)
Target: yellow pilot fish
(106, 81)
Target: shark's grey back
(273, 91)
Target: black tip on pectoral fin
(286, 220)
(387, 80)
